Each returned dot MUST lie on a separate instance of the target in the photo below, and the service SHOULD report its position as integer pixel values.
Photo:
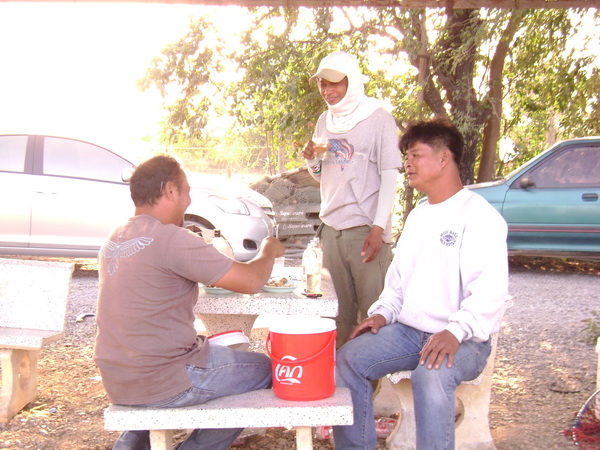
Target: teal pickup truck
(551, 202)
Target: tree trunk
(491, 132)
(280, 160)
(454, 66)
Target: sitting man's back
(147, 348)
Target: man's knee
(348, 354)
(265, 362)
(434, 380)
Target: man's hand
(373, 323)
(437, 347)
(309, 151)
(372, 244)
(272, 244)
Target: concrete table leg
(304, 438)
(161, 439)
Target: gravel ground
(544, 369)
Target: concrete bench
(473, 407)
(256, 409)
(33, 305)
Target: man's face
(333, 93)
(423, 165)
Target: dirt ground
(71, 400)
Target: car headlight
(230, 205)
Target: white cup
(278, 266)
(321, 145)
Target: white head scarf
(355, 106)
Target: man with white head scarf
(358, 174)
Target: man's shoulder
(473, 199)
(382, 114)
(482, 209)
(147, 228)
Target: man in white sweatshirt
(444, 296)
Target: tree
(553, 84)
(466, 64)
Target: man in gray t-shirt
(358, 175)
(147, 349)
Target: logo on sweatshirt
(448, 238)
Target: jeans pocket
(191, 396)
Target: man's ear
(445, 156)
(170, 190)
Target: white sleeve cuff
(457, 331)
(387, 196)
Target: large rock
(288, 188)
(296, 199)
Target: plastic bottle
(319, 250)
(311, 265)
(324, 433)
(384, 426)
(221, 244)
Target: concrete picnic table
(234, 311)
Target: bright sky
(71, 69)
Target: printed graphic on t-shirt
(343, 152)
(448, 238)
(113, 251)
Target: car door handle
(589, 197)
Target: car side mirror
(126, 174)
(527, 182)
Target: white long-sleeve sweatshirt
(450, 270)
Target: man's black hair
(437, 133)
(150, 178)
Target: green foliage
(591, 330)
(550, 91)
(553, 95)
(274, 96)
(188, 72)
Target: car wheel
(198, 225)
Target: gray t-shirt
(148, 286)
(351, 170)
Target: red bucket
(302, 350)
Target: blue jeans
(227, 372)
(396, 347)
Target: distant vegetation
(512, 80)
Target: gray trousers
(357, 284)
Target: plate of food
(279, 285)
(216, 290)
